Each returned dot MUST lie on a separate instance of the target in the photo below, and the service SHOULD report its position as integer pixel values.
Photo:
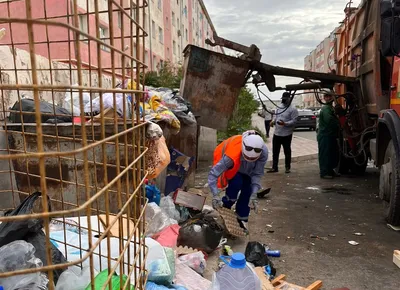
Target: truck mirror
(390, 27)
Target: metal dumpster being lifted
(211, 83)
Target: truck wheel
(389, 185)
(358, 169)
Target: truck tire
(358, 169)
(389, 185)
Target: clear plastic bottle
(236, 274)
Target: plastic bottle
(237, 274)
(272, 253)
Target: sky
(286, 31)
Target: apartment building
(171, 25)
(321, 59)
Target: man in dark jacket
(328, 150)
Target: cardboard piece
(189, 199)
(115, 228)
(185, 250)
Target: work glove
(253, 204)
(217, 202)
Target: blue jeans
(240, 183)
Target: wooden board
(396, 258)
(115, 228)
(280, 284)
(265, 283)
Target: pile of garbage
(158, 105)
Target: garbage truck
(364, 85)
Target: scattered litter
(327, 206)
(270, 226)
(265, 209)
(395, 228)
(271, 231)
(353, 243)
(313, 188)
(323, 238)
(359, 234)
(396, 258)
(313, 244)
(310, 198)
(314, 236)
(331, 235)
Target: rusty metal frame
(101, 165)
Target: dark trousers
(267, 127)
(240, 183)
(328, 154)
(277, 142)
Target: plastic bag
(31, 231)
(158, 264)
(189, 278)
(195, 261)
(201, 232)
(168, 206)
(108, 102)
(20, 255)
(101, 280)
(255, 254)
(154, 286)
(157, 165)
(72, 103)
(153, 131)
(153, 193)
(158, 220)
(80, 278)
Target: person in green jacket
(328, 150)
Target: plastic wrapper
(19, 255)
(158, 220)
(188, 278)
(256, 254)
(195, 261)
(80, 277)
(168, 206)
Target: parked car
(306, 119)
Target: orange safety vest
(231, 147)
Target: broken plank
(265, 283)
(315, 286)
(396, 258)
(278, 279)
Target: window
(104, 36)
(173, 19)
(133, 14)
(146, 21)
(186, 33)
(83, 25)
(168, 52)
(177, 2)
(119, 19)
(166, 22)
(159, 4)
(179, 50)
(160, 35)
(174, 47)
(185, 11)
(177, 21)
(146, 58)
(153, 29)
(161, 63)
(154, 63)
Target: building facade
(171, 25)
(321, 59)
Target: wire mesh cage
(72, 144)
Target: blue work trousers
(240, 183)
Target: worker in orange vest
(239, 164)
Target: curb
(295, 159)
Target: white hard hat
(252, 146)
